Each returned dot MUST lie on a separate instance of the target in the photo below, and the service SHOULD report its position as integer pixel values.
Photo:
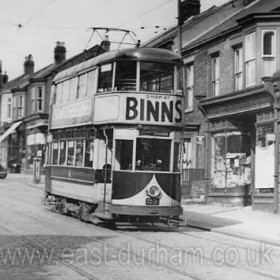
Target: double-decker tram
(115, 135)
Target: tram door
(104, 147)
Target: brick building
(25, 108)
(231, 53)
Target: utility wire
(38, 12)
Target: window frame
(189, 83)
(215, 74)
(250, 51)
(238, 60)
(271, 58)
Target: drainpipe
(274, 92)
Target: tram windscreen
(126, 75)
(156, 77)
(153, 154)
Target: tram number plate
(152, 201)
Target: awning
(10, 130)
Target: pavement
(240, 222)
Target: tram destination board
(152, 201)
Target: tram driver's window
(105, 78)
(124, 149)
(153, 154)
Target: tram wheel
(84, 212)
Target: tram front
(145, 113)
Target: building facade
(231, 53)
(25, 109)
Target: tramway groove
(208, 258)
(149, 260)
(42, 248)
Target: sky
(34, 26)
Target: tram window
(55, 153)
(73, 88)
(91, 83)
(70, 154)
(58, 93)
(124, 150)
(89, 150)
(62, 153)
(153, 154)
(125, 75)
(156, 77)
(81, 86)
(65, 91)
(105, 78)
(79, 153)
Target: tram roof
(141, 54)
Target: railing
(187, 179)
(192, 174)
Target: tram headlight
(154, 191)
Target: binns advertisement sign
(156, 109)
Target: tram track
(132, 254)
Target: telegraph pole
(179, 29)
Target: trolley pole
(179, 29)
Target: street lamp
(272, 86)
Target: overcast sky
(34, 26)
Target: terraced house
(231, 56)
(25, 108)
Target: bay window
(250, 59)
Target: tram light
(154, 191)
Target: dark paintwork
(127, 184)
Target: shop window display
(231, 160)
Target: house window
(9, 108)
(268, 53)
(215, 75)
(37, 99)
(189, 86)
(250, 59)
(238, 68)
(20, 106)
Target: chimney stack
(59, 52)
(189, 8)
(28, 66)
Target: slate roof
(231, 22)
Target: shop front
(240, 149)
(35, 143)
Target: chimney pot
(59, 52)
(28, 65)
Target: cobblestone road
(36, 243)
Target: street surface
(36, 243)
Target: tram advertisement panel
(158, 109)
(74, 113)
